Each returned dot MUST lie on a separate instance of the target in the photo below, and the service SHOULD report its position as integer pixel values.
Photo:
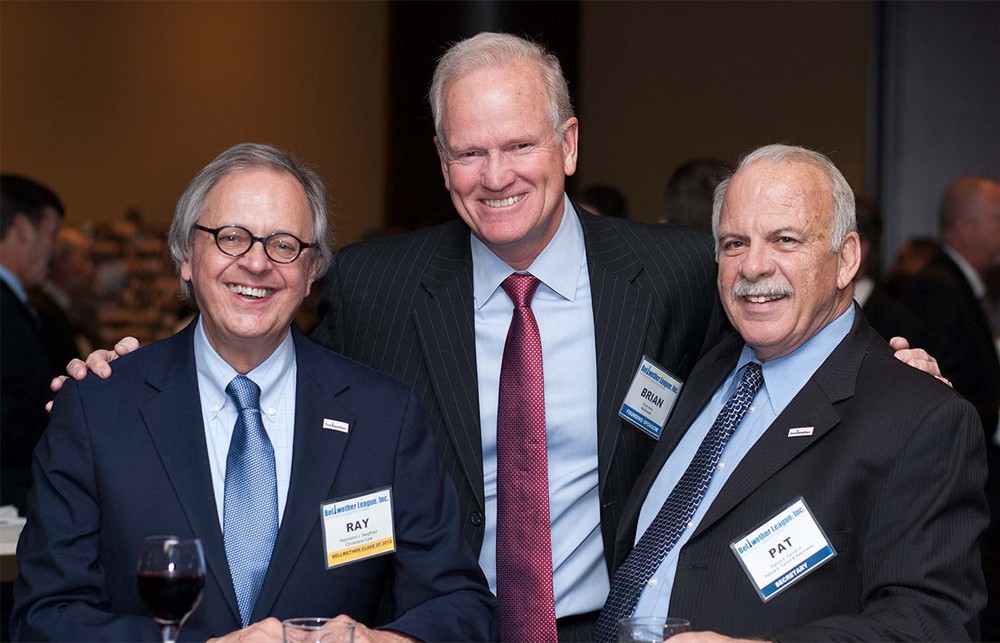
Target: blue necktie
(250, 516)
(673, 517)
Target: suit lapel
(621, 315)
(316, 455)
(445, 326)
(710, 372)
(174, 421)
(813, 406)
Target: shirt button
(215, 408)
(721, 465)
(272, 411)
(752, 408)
(652, 582)
(690, 524)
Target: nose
(255, 259)
(497, 173)
(756, 262)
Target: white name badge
(358, 527)
(651, 397)
(783, 550)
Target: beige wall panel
(118, 104)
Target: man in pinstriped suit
(426, 308)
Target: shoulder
(336, 369)
(400, 248)
(651, 243)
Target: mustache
(763, 288)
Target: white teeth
(760, 299)
(503, 203)
(250, 292)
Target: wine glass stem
(169, 632)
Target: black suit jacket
(893, 473)
(126, 458)
(58, 330)
(961, 337)
(25, 374)
(404, 305)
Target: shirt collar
(554, 267)
(216, 374)
(14, 283)
(971, 274)
(786, 375)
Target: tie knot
(244, 392)
(753, 377)
(520, 287)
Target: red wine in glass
(171, 580)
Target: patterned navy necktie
(250, 515)
(675, 514)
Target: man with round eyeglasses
(243, 433)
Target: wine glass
(171, 580)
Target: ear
(849, 260)
(186, 273)
(23, 228)
(569, 142)
(444, 164)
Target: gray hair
(248, 156)
(844, 221)
(496, 50)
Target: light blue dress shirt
(276, 377)
(14, 283)
(783, 379)
(562, 306)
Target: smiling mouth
(247, 291)
(762, 299)
(504, 203)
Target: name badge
(783, 550)
(651, 397)
(358, 527)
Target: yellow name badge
(358, 527)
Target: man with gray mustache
(808, 486)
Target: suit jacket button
(476, 518)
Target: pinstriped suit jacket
(404, 306)
(893, 472)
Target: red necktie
(524, 532)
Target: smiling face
(247, 303)
(779, 280)
(504, 166)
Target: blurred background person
(949, 294)
(65, 301)
(604, 200)
(690, 189)
(886, 314)
(30, 214)
(912, 257)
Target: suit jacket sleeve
(60, 594)
(439, 591)
(920, 564)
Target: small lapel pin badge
(335, 425)
(800, 432)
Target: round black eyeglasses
(236, 241)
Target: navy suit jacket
(893, 472)
(404, 305)
(127, 458)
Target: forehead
(508, 94)
(260, 199)
(774, 194)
